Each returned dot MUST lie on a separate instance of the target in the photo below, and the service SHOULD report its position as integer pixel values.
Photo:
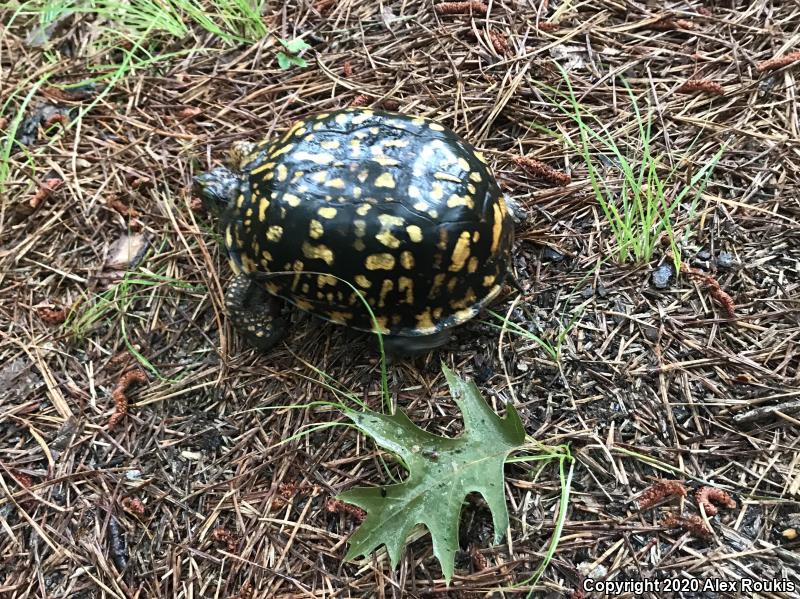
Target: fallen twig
(764, 412)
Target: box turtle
(399, 207)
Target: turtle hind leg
(254, 313)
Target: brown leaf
(126, 252)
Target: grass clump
(122, 38)
(116, 303)
(233, 21)
(551, 346)
(645, 200)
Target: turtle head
(216, 188)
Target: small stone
(482, 370)
(703, 255)
(133, 474)
(588, 570)
(550, 254)
(389, 17)
(620, 308)
(28, 130)
(793, 520)
(126, 252)
(650, 332)
(725, 260)
(662, 275)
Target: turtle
(376, 220)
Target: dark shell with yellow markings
(399, 206)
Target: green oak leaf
(294, 46)
(284, 61)
(442, 471)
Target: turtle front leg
(253, 312)
(518, 214)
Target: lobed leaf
(441, 473)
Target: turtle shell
(398, 206)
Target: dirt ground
(189, 495)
